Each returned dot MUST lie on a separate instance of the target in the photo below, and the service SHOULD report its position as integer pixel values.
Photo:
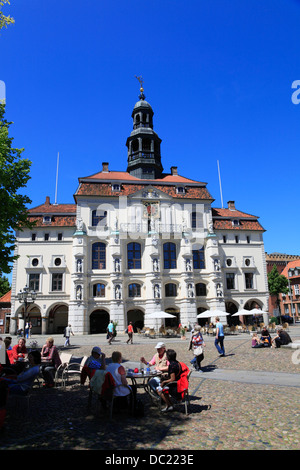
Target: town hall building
(135, 242)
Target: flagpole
(220, 184)
(56, 179)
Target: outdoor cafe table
(141, 379)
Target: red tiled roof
(6, 297)
(56, 221)
(125, 176)
(243, 225)
(53, 209)
(105, 189)
(222, 219)
(228, 213)
(291, 265)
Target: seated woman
(255, 341)
(174, 372)
(50, 362)
(21, 384)
(119, 374)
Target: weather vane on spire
(141, 81)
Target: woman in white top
(119, 374)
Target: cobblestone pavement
(224, 415)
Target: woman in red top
(19, 355)
(130, 332)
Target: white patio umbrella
(257, 311)
(242, 312)
(159, 315)
(212, 313)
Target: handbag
(198, 351)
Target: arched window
(98, 290)
(199, 259)
(201, 290)
(134, 256)
(169, 255)
(134, 290)
(171, 290)
(99, 256)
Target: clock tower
(144, 159)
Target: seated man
(265, 338)
(50, 362)
(95, 362)
(282, 338)
(161, 363)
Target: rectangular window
(34, 282)
(46, 237)
(33, 237)
(199, 259)
(99, 217)
(236, 239)
(134, 256)
(59, 236)
(57, 279)
(224, 239)
(249, 280)
(170, 256)
(230, 280)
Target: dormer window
(235, 222)
(47, 219)
(116, 187)
(180, 190)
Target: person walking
(219, 340)
(110, 332)
(198, 345)
(68, 332)
(130, 333)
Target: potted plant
(183, 331)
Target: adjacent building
(135, 242)
(290, 303)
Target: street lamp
(26, 297)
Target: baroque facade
(135, 242)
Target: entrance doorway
(99, 320)
(137, 318)
(172, 322)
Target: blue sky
(217, 73)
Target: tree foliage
(5, 20)
(4, 285)
(14, 174)
(278, 284)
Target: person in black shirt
(282, 338)
(166, 387)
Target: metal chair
(65, 361)
(113, 396)
(186, 398)
(72, 368)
